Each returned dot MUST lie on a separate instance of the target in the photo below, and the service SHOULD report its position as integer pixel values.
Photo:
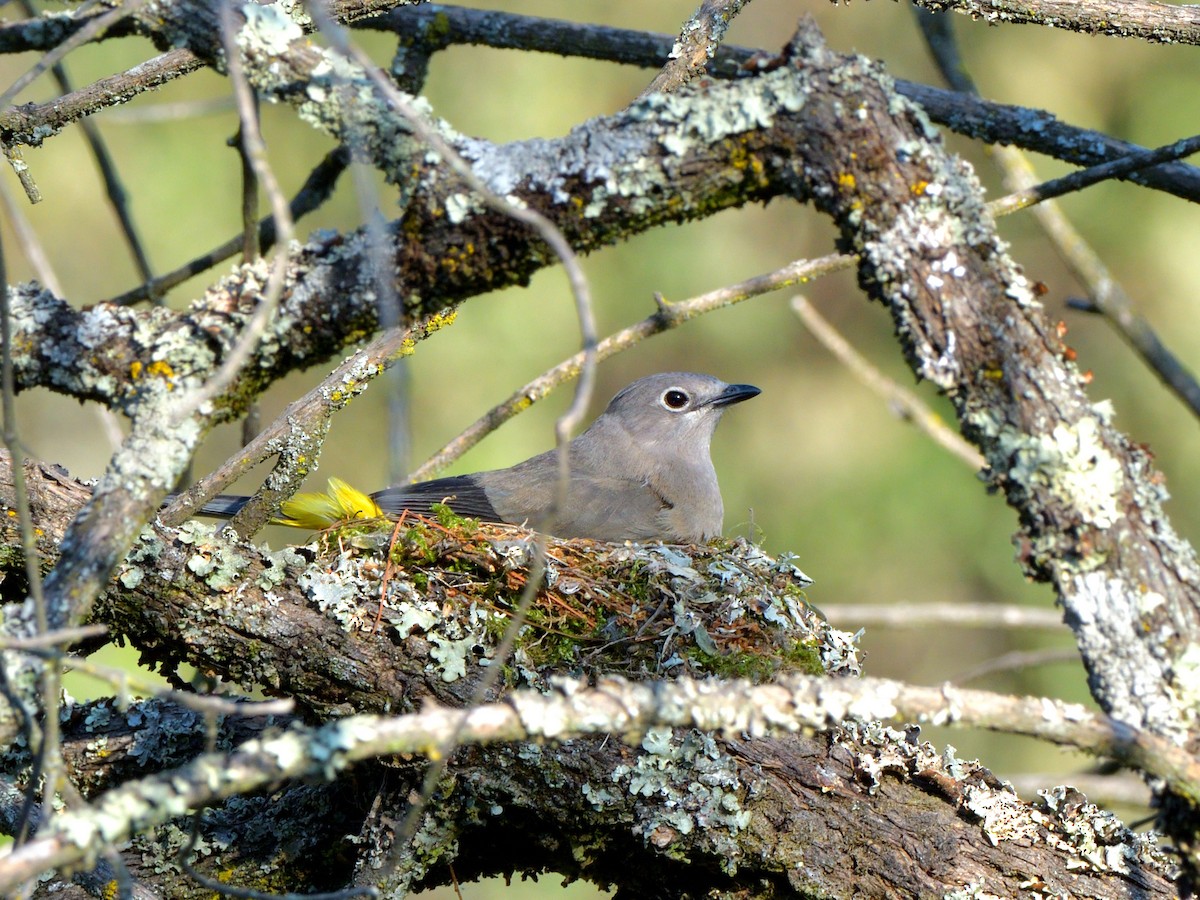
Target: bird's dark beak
(735, 393)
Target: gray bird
(641, 472)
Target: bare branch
(922, 615)
(1076, 181)
(86, 33)
(1160, 23)
(32, 123)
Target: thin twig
(256, 151)
(1018, 660)
(922, 615)
(32, 123)
(31, 246)
(50, 764)
(124, 682)
(317, 188)
(84, 35)
(1105, 171)
(667, 316)
(1163, 23)
(696, 45)
(910, 407)
(251, 247)
(24, 176)
(58, 637)
(1105, 293)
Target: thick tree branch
(435, 26)
(738, 823)
(1090, 509)
(983, 120)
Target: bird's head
(675, 412)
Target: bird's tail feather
(224, 506)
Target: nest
(451, 588)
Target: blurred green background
(816, 465)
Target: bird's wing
(462, 493)
(616, 509)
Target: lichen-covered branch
(436, 26)
(1089, 502)
(741, 808)
(696, 45)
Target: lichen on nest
(640, 610)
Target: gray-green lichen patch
(459, 207)
(1073, 462)
(217, 563)
(393, 870)
(331, 92)
(268, 30)
(690, 119)
(974, 890)
(591, 165)
(693, 784)
(1097, 839)
(1094, 838)
(278, 563)
(1104, 605)
(456, 635)
(1186, 683)
(94, 352)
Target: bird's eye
(674, 398)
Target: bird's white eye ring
(674, 399)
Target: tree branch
(723, 816)
(1160, 23)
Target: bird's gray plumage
(641, 472)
